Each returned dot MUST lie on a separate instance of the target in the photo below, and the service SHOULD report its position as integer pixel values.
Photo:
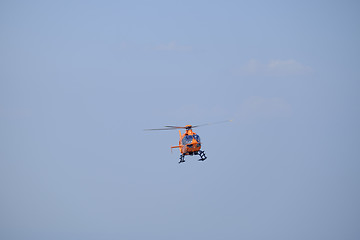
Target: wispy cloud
(274, 68)
(261, 107)
(287, 67)
(172, 46)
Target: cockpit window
(189, 138)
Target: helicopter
(189, 143)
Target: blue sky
(80, 80)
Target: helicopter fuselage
(189, 143)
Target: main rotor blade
(186, 127)
(206, 124)
(166, 128)
(175, 127)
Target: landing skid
(182, 158)
(202, 156)
(200, 153)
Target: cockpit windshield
(189, 138)
(197, 138)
